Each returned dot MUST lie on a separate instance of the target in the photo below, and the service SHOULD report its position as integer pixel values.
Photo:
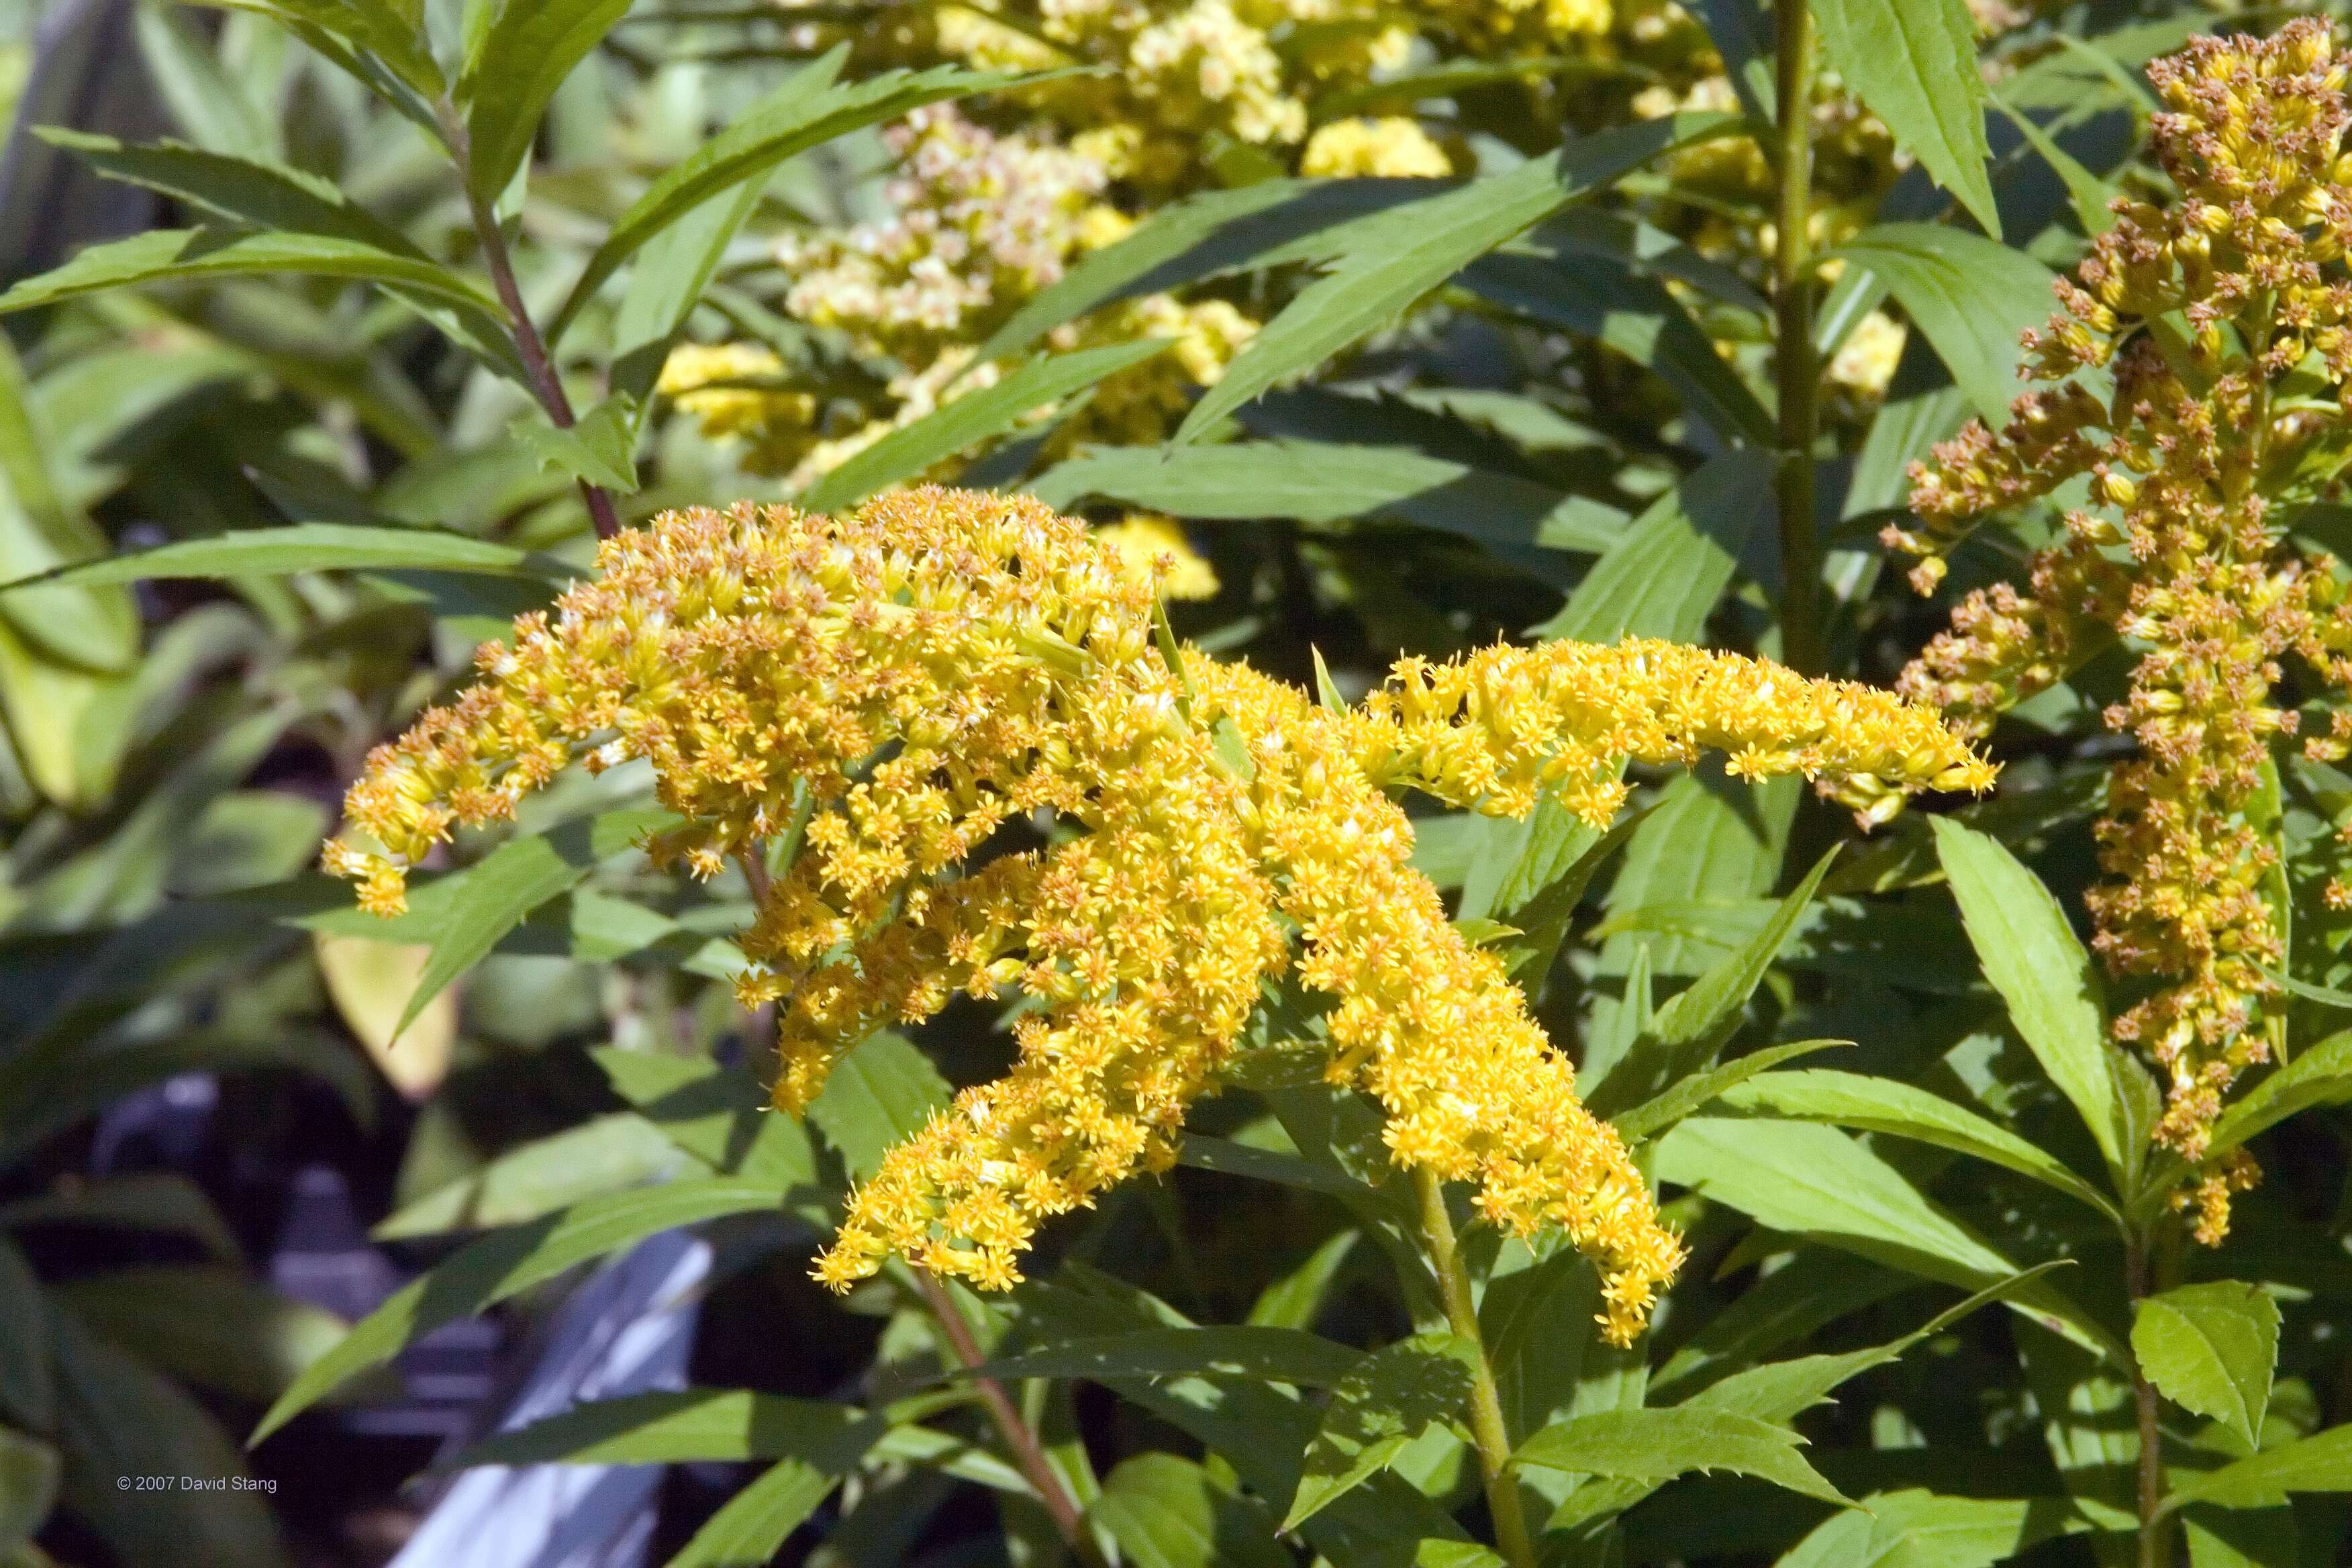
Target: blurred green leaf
(508, 1261)
(1283, 1355)
(2211, 1349)
(600, 448)
(720, 1116)
(29, 1471)
(27, 1388)
(684, 1426)
(297, 547)
(40, 529)
(602, 1155)
(170, 255)
(206, 1323)
(148, 1200)
(1914, 64)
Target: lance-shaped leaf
(2319, 1075)
(302, 547)
(1415, 248)
(505, 1262)
(1905, 1110)
(1282, 1355)
(516, 65)
(1166, 1511)
(1662, 577)
(1698, 1091)
(167, 255)
(1384, 1402)
(680, 1427)
(1914, 63)
(2211, 1349)
(2031, 957)
(1813, 1180)
(972, 418)
(1969, 296)
(2319, 1463)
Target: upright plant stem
(2152, 1526)
(1795, 367)
(1028, 1453)
(1486, 1427)
(528, 344)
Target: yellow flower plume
(917, 675)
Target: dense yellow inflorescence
(2224, 318)
(923, 677)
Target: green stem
(532, 349)
(1795, 366)
(2152, 1524)
(1486, 1426)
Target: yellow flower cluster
(924, 675)
(2232, 359)
(1154, 548)
(1390, 147)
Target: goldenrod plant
(1388, 787)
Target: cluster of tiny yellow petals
(2192, 463)
(1154, 548)
(1390, 147)
(915, 684)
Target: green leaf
(1270, 222)
(28, 1389)
(1663, 576)
(92, 632)
(390, 31)
(682, 1427)
(1323, 482)
(29, 1471)
(207, 1324)
(1658, 1444)
(1917, 1529)
(2088, 193)
(153, 1200)
(508, 1261)
(1386, 1400)
(1914, 64)
(1295, 1300)
(168, 255)
(514, 69)
(600, 447)
(254, 191)
(1419, 246)
(191, 81)
(1813, 1180)
(750, 1530)
(1167, 1512)
(971, 418)
(1689, 1029)
(1968, 295)
(1904, 1110)
(297, 547)
(809, 110)
(2031, 957)
(666, 284)
(602, 1155)
(2211, 1349)
(720, 1116)
(1693, 1093)
(2319, 1075)
(2320, 1463)
(1283, 1355)
(881, 1093)
(1636, 315)
(491, 899)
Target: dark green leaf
(2319, 1075)
(1662, 577)
(297, 547)
(1419, 246)
(1385, 1401)
(972, 418)
(1968, 295)
(602, 1155)
(28, 1389)
(2320, 1463)
(681, 1427)
(207, 1324)
(29, 1488)
(1284, 1355)
(879, 1095)
(720, 1116)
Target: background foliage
(285, 276)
